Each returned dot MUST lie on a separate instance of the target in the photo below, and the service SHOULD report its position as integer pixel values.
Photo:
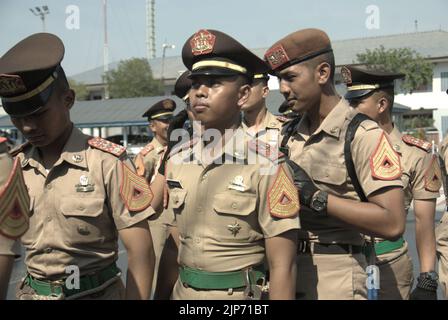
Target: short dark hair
(327, 57)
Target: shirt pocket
(236, 219)
(329, 174)
(84, 222)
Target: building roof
(128, 112)
(430, 44)
(108, 113)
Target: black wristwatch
(319, 202)
(431, 275)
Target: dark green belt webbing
(199, 279)
(87, 282)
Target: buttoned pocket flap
(85, 207)
(240, 205)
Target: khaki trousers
(442, 252)
(396, 274)
(331, 277)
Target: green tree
(80, 89)
(418, 71)
(132, 78)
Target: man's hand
(304, 184)
(426, 287)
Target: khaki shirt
(269, 130)
(321, 155)
(146, 161)
(415, 164)
(71, 225)
(225, 211)
(444, 153)
(7, 246)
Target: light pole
(164, 47)
(41, 12)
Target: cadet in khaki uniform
(231, 215)
(442, 228)
(14, 207)
(372, 93)
(330, 262)
(159, 116)
(84, 191)
(257, 120)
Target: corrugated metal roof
(128, 112)
(109, 113)
(432, 44)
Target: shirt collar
(332, 123)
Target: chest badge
(234, 228)
(238, 184)
(84, 185)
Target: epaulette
(14, 152)
(424, 145)
(147, 149)
(266, 150)
(107, 146)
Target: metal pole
(105, 50)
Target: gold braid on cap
(363, 87)
(31, 93)
(161, 114)
(219, 64)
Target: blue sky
(255, 23)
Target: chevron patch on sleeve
(384, 161)
(433, 176)
(283, 197)
(134, 190)
(14, 205)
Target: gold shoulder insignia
(147, 149)
(424, 145)
(107, 146)
(134, 190)
(266, 150)
(14, 205)
(433, 176)
(14, 152)
(384, 161)
(283, 197)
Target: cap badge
(11, 85)
(167, 104)
(202, 42)
(346, 75)
(276, 56)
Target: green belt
(220, 280)
(387, 246)
(87, 282)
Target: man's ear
(244, 94)
(383, 105)
(265, 91)
(69, 98)
(323, 72)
